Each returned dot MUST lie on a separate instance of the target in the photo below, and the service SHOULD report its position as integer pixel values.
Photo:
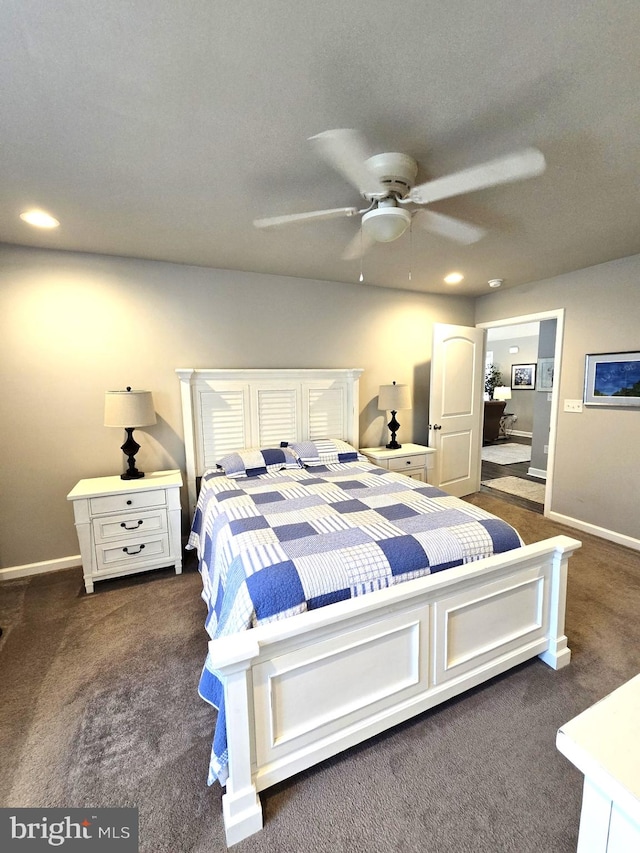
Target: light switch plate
(573, 405)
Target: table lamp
(129, 409)
(392, 398)
(502, 392)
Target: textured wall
(74, 325)
(596, 476)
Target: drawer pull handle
(408, 462)
(133, 553)
(129, 503)
(135, 526)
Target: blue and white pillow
(252, 462)
(325, 451)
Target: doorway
(504, 477)
(538, 404)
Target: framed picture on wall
(523, 377)
(612, 379)
(545, 374)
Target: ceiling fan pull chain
(410, 247)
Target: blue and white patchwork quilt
(284, 542)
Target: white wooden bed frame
(303, 689)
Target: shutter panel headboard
(227, 410)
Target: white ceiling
(160, 129)
(506, 333)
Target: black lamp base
(132, 474)
(394, 426)
(130, 448)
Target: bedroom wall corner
(74, 325)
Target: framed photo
(545, 374)
(523, 377)
(612, 379)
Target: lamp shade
(502, 392)
(393, 398)
(129, 409)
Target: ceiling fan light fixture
(385, 224)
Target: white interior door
(455, 407)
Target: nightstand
(414, 460)
(128, 526)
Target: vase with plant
(492, 378)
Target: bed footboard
(303, 689)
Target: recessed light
(453, 278)
(495, 282)
(39, 218)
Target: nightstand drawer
(136, 551)
(405, 463)
(128, 500)
(148, 521)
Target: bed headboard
(227, 410)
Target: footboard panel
(308, 695)
(306, 688)
(332, 693)
(480, 623)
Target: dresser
(128, 526)
(414, 460)
(604, 743)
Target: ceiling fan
(386, 182)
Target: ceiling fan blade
(311, 216)
(346, 151)
(447, 226)
(358, 246)
(513, 167)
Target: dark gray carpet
(100, 708)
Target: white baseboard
(594, 530)
(520, 432)
(13, 572)
(540, 473)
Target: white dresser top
(604, 743)
(95, 486)
(407, 449)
